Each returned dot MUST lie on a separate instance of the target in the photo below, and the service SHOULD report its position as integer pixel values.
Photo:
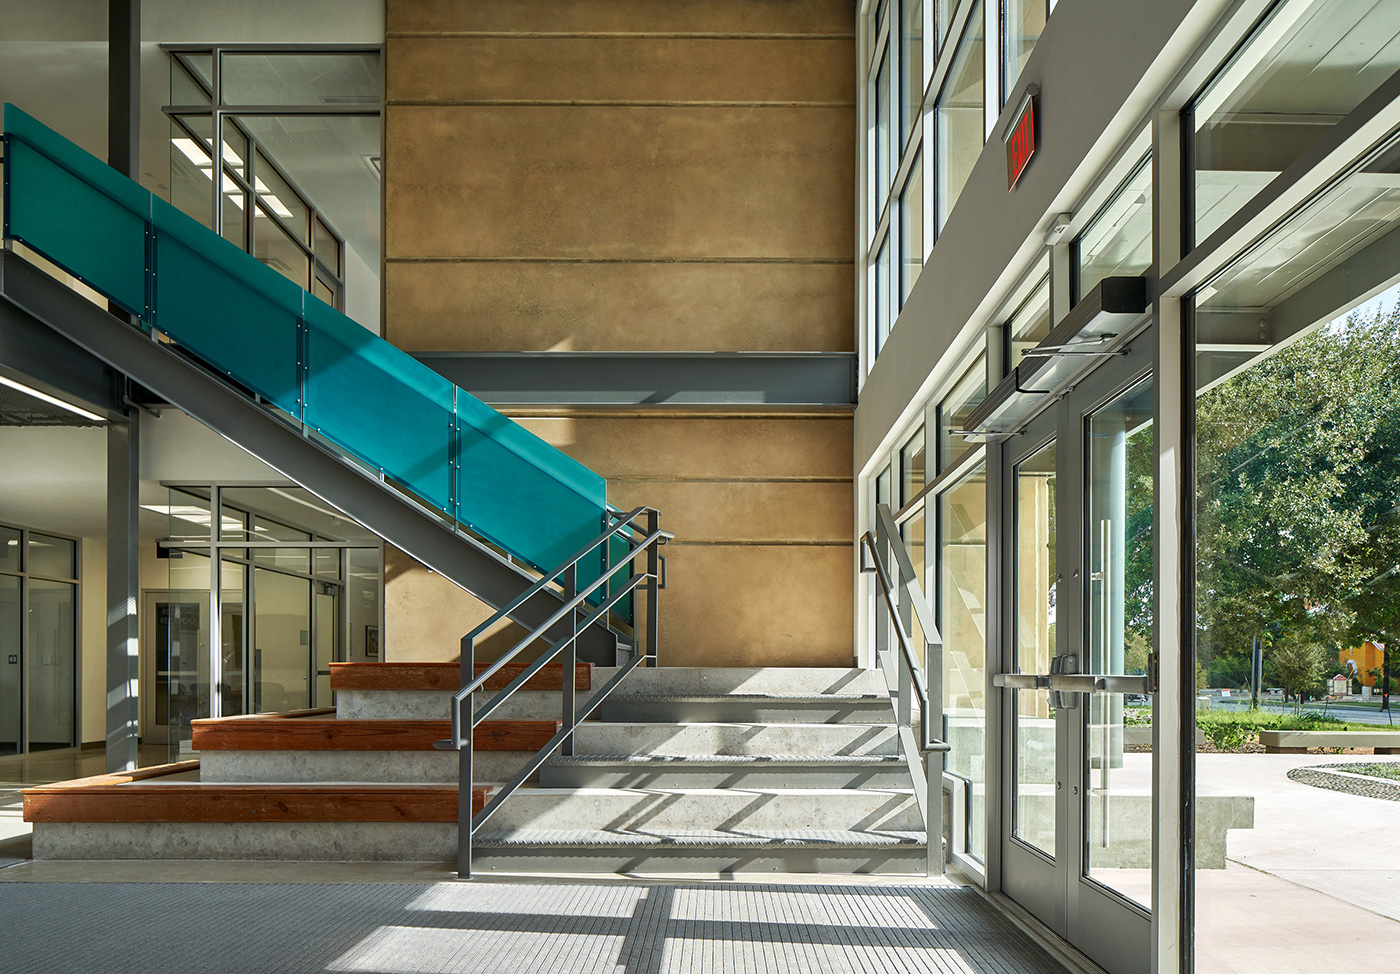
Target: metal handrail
(924, 754)
(927, 741)
(641, 542)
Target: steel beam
(652, 378)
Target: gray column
(123, 590)
(124, 87)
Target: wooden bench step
(142, 796)
(282, 733)
(447, 676)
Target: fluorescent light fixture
(45, 397)
(194, 152)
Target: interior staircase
(696, 770)
(709, 770)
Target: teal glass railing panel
(553, 504)
(379, 402)
(226, 306)
(360, 393)
(74, 224)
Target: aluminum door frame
(1101, 924)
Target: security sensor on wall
(1057, 229)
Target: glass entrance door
(1077, 715)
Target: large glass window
(1118, 240)
(960, 116)
(912, 467)
(881, 303)
(911, 230)
(1297, 417)
(881, 99)
(1029, 325)
(956, 407)
(962, 621)
(1025, 19)
(1308, 64)
(911, 57)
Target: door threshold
(1055, 945)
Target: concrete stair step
(698, 850)
(806, 708)
(437, 704)
(447, 676)
(670, 810)
(760, 680)
(316, 732)
(725, 771)
(617, 737)
(404, 767)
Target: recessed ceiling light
(52, 401)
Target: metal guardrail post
(653, 583)
(465, 774)
(567, 700)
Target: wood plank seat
(447, 676)
(312, 733)
(141, 796)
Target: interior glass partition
(38, 641)
(299, 587)
(299, 138)
(11, 648)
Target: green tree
(1298, 505)
(1299, 668)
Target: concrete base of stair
(671, 811)
(416, 767)
(437, 704)
(699, 852)
(311, 841)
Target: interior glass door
(1077, 713)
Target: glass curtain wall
(1296, 418)
(927, 60)
(298, 587)
(38, 641)
(1298, 542)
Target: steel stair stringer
(358, 492)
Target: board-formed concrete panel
(815, 17)
(766, 605)
(745, 512)
(493, 306)
(657, 445)
(620, 68)
(619, 182)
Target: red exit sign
(1020, 137)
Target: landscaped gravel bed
(1369, 780)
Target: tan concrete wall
(641, 175)
(589, 174)
(761, 569)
